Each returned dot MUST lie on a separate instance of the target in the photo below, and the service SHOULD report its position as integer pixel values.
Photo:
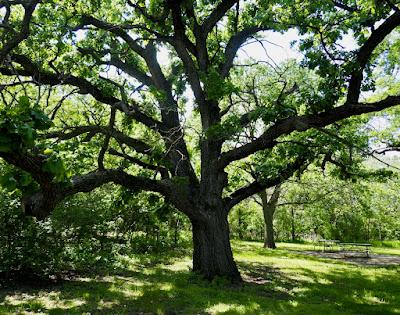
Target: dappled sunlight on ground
(283, 281)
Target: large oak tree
(174, 128)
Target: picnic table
(328, 244)
(355, 247)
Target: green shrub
(27, 247)
(86, 233)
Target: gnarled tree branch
(365, 52)
(302, 123)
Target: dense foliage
(318, 207)
(87, 233)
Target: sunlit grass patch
(282, 281)
(222, 308)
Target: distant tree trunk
(176, 232)
(240, 224)
(157, 235)
(269, 207)
(293, 225)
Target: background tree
(269, 207)
(325, 206)
(135, 112)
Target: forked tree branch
(365, 52)
(217, 15)
(234, 44)
(302, 123)
(18, 37)
(258, 186)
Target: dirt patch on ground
(357, 259)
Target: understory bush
(84, 234)
(27, 247)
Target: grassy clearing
(386, 247)
(277, 282)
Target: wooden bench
(355, 248)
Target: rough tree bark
(212, 253)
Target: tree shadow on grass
(162, 290)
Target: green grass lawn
(281, 281)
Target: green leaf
(40, 119)
(8, 182)
(23, 103)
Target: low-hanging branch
(40, 203)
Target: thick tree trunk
(269, 207)
(212, 253)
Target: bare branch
(345, 7)
(158, 169)
(117, 30)
(106, 143)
